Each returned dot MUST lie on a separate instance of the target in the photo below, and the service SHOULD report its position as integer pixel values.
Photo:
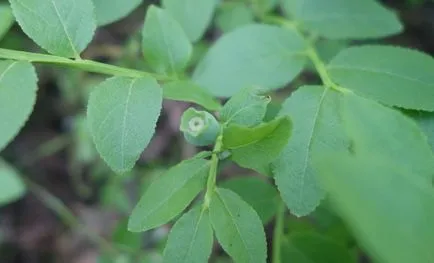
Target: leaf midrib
(7, 69)
(381, 72)
(64, 28)
(124, 123)
(196, 229)
(309, 145)
(163, 201)
(233, 222)
(240, 111)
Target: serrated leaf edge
(33, 72)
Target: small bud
(200, 128)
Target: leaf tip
(134, 225)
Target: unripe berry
(200, 128)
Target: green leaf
(62, 27)
(425, 120)
(272, 110)
(119, 258)
(246, 108)
(238, 227)
(382, 130)
(6, 19)
(314, 111)
(253, 55)
(300, 225)
(338, 19)
(109, 11)
(122, 115)
(11, 185)
(121, 237)
(389, 209)
(17, 97)
(169, 195)
(391, 75)
(190, 92)
(233, 15)
(191, 238)
(258, 193)
(263, 6)
(257, 146)
(186, 12)
(165, 45)
(328, 223)
(264, 169)
(236, 136)
(311, 247)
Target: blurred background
(75, 210)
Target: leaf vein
(64, 28)
(196, 229)
(233, 221)
(7, 69)
(309, 145)
(124, 122)
(381, 72)
(163, 201)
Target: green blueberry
(200, 128)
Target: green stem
(86, 65)
(311, 52)
(322, 69)
(281, 21)
(210, 185)
(278, 232)
(319, 66)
